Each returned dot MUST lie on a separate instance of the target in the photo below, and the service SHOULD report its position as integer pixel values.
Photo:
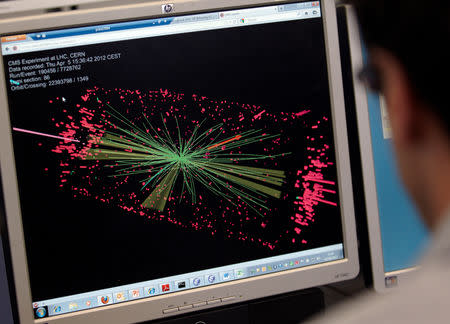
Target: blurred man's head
(409, 63)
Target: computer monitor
(159, 159)
(396, 235)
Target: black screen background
(280, 65)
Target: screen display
(403, 234)
(167, 154)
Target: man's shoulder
(425, 299)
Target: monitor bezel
(243, 289)
(379, 275)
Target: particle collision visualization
(203, 158)
(249, 172)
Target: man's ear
(402, 103)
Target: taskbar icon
(40, 312)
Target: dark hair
(418, 34)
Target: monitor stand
(291, 308)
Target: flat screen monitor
(397, 235)
(163, 159)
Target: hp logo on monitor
(167, 8)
